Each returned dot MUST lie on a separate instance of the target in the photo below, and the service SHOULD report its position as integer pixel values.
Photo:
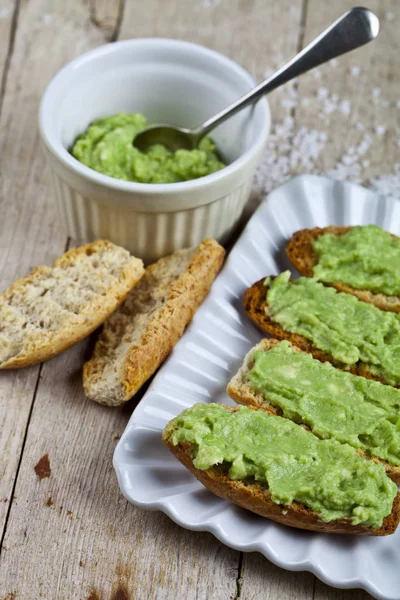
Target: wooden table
(66, 530)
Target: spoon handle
(355, 28)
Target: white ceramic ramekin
(169, 81)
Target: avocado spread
(328, 477)
(106, 146)
(365, 258)
(337, 323)
(360, 412)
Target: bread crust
(256, 498)
(255, 304)
(89, 319)
(242, 393)
(302, 256)
(164, 329)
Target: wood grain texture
(29, 230)
(107, 14)
(257, 575)
(9, 10)
(73, 533)
(324, 592)
(353, 101)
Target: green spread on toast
(334, 404)
(366, 258)
(337, 323)
(295, 465)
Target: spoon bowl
(174, 138)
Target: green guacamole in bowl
(106, 146)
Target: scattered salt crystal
(316, 73)
(4, 12)
(47, 18)
(292, 150)
(345, 107)
(389, 15)
(380, 129)
(343, 171)
(288, 103)
(210, 3)
(329, 106)
(387, 185)
(307, 145)
(333, 62)
(364, 144)
(348, 159)
(322, 93)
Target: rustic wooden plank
(29, 231)
(191, 558)
(72, 534)
(107, 14)
(8, 25)
(262, 579)
(351, 105)
(79, 540)
(324, 592)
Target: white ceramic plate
(201, 365)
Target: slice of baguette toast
(54, 307)
(302, 256)
(138, 337)
(256, 498)
(255, 302)
(240, 391)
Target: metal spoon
(353, 29)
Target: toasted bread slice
(138, 337)
(240, 391)
(255, 303)
(256, 498)
(302, 256)
(54, 307)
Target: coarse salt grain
(387, 185)
(292, 150)
(380, 129)
(345, 107)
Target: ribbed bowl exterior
(148, 235)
